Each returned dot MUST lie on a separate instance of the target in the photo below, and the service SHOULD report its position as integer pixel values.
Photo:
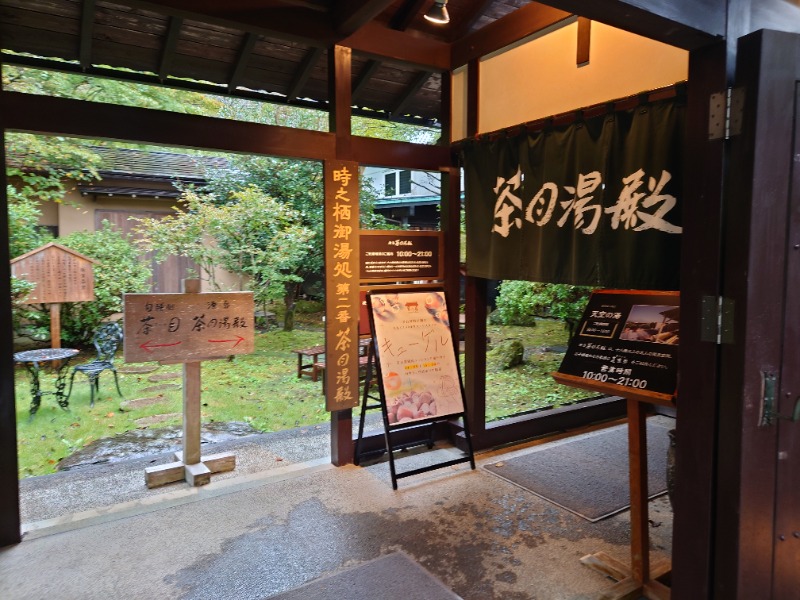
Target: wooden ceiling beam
(405, 15)
(352, 15)
(311, 28)
(410, 92)
(584, 41)
(400, 155)
(400, 21)
(466, 21)
(380, 42)
(97, 120)
(310, 61)
(170, 44)
(510, 29)
(687, 24)
(246, 49)
(363, 78)
(291, 22)
(87, 27)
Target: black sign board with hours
(626, 344)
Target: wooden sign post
(60, 275)
(188, 328)
(627, 345)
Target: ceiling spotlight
(438, 12)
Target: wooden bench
(309, 369)
(317, 365)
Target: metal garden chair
(106, 340)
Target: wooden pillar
(475, 299)
(698, 392)
(451, 229)
(450, 210)
(340, 117)
(340, 94)
(9, 478)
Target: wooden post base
(195, 475)
(627, 587)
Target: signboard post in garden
(627, 345)
(60, 275)
(188, 328)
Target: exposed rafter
(363, 77)
(410, 92)
(352, 15)
(303, 73)
(297, 23)
(245, 51)
(168, 51)
(467, 21)
(87, 28)
(405, 15)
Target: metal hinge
(716, 321)
(725, 112)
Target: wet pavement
(286, 517)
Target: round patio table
(60, 357)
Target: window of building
(390, 184)
(397, 183)
(405, 182)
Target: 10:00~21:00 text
(626, 381)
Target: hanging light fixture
(438, 13)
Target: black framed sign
(400, 255)
(416, 362)
(626, 344)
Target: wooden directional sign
(187, 327)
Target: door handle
(769, 412)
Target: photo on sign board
(656, 324)
(417, 360)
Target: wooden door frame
(768, 64)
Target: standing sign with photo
(417, 363)
(626, 343)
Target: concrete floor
(256, 533)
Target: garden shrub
(119, 269)
(521, 302)
(308, 307)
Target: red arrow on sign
(239, 339)
(149, 344)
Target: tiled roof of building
(156, 165)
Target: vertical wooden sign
(341, 284)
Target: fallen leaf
(110, 414)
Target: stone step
(128, 405)
(154, 419)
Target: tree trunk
(289, 301)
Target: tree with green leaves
(522, 302)
(118, 270)
(252, 235)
